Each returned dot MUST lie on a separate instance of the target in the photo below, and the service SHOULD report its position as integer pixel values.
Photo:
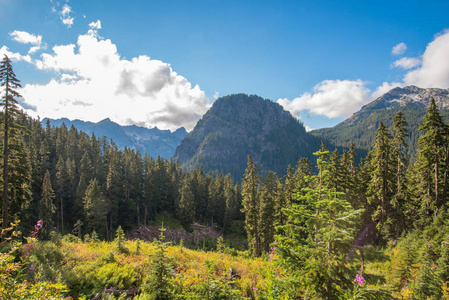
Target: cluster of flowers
(359, 277)
(37, 227)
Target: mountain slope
(153, 141)
(240, 125)
(361, 127)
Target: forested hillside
(90, 180)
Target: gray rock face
(240, 125)
(399, 98)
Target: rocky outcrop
(240, 125)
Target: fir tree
(186, 206)
(251, 205)
(267, 211)
(400, 153)
(158, 285)
(318, 237)
(46, 207)
(382, 183)
(120, 240)
(10, 84)
(96, 207)
(429, 153)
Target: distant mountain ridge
(153, 141)
(240, 125)
(361, 127)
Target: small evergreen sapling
(120, 241)
(158, 284)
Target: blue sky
(163, 63)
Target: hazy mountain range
(153, 141)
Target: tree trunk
(437, 185)
(446, 166)
(5, 162)
(329, 282)
(145, 215)
(138, 215)
(62, 217)
(107, 227)
(110, 227)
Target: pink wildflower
(359, 279)
(37, 227)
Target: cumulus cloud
(330, 98)
(407, 62)
(399, 49)
(94, 82)
(434, 70)
(27, 38)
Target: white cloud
(216, 95)
(93, 82)
(27, 38)
(95, 25)
(407, 62)
(434, 70)
(64, 12)
(14, 56)
(399, 49)
(330, 98)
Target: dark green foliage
(381, 187)
(251, 205)
(268, 201)
(96, 208)
(46, 207)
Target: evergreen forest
(339, 229)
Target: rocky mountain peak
(240, 125)
(361, 127)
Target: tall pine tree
(11, 130)
(251, 205)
